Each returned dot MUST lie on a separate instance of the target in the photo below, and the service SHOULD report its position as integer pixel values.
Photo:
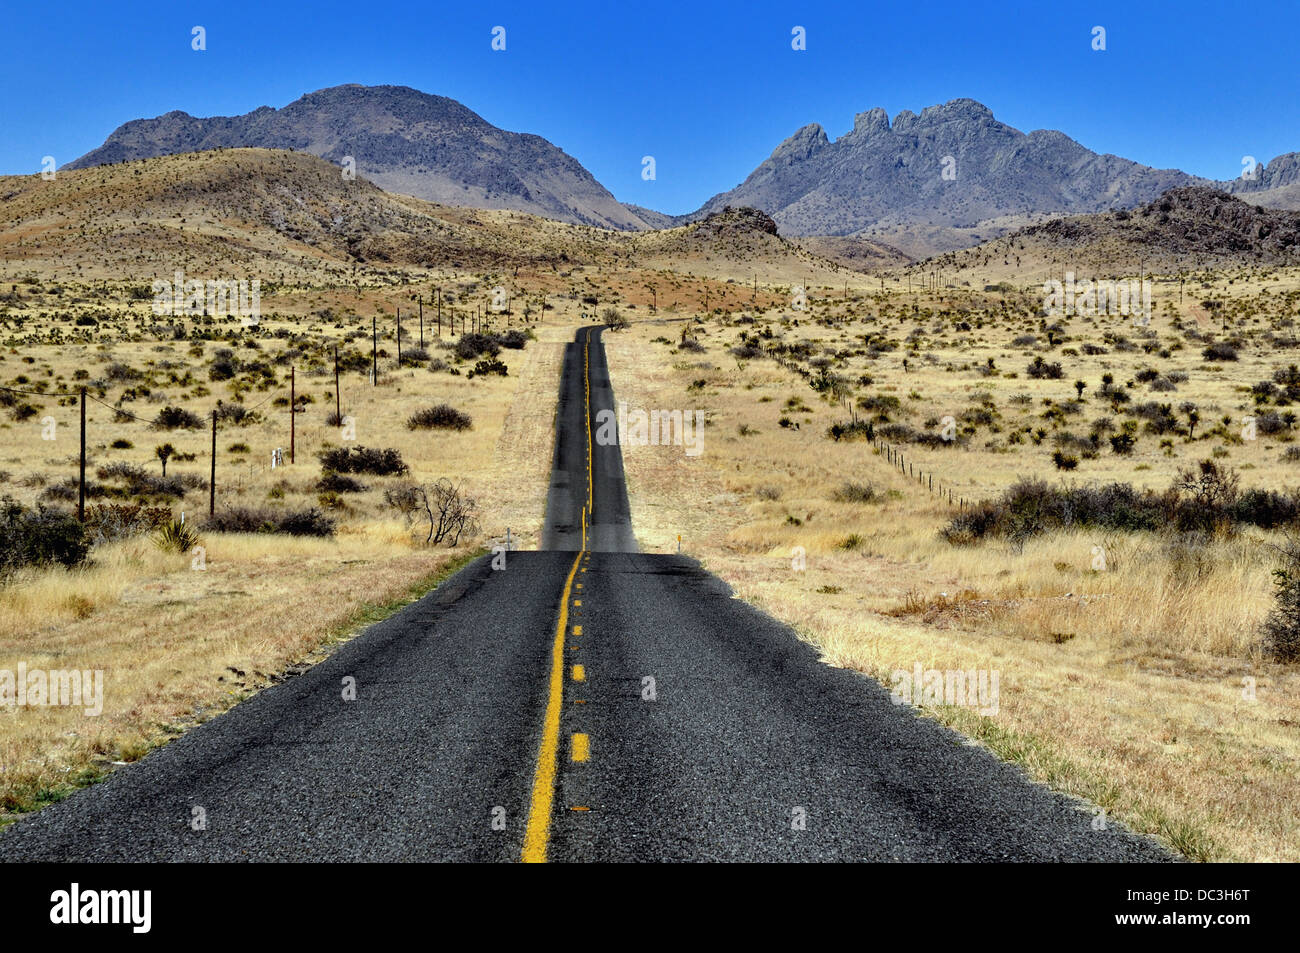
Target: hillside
(1185, 228)
(403, 140)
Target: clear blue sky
(707, 89)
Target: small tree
(164, 453)
(1079, 386)
(1281, 629)
(614, 319)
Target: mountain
(291, 218)
(887, 180)
(401, 139)
(1185, 228)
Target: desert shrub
(1220, 351)
(851, 430)
(138, 482)
(121, 444)
(109, 522)
(331, 482)
(513, 339)
(251, 519)
(489, 366)
(439, 417)
(1267, 509)
(177, 418)
(39, 536)
(359, 459)
(236, 414)
(1065, 461)
(474, 345)
(1040, 369)
(449, 512)
(613, 319)
(414, 357)
(1281, 629)
(852, 492)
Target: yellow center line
(581, 747)
(537, 832)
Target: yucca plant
(176, 537)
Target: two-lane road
(589, 702)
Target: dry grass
(178, 644)
(1127, 686)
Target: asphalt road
(696, 729)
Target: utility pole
(212, 479)
(374, 352)
(293, 411)
(399, 337)
(81, 484)
(421, 324)
(439, 290)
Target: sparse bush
(613, 319)
(439, 417)
(852, 492)
(1040, 369)
(109, 522)
(331, 482)
(414, 357)
(249, 519)
(387, 462)
(39, 536)
(474, 345)
(489, 366)
(177, 418)
(851, 430)
(1281, 629)
(1220, 351)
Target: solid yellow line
(581, 749)
(587, 382)
(538, 831)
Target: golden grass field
(1143, 687)
(178, 644)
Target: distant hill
(401, 139)
(955, 175)
(1185, 228)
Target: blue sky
(707, 89)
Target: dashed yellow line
(537, 832)
(580, 748)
